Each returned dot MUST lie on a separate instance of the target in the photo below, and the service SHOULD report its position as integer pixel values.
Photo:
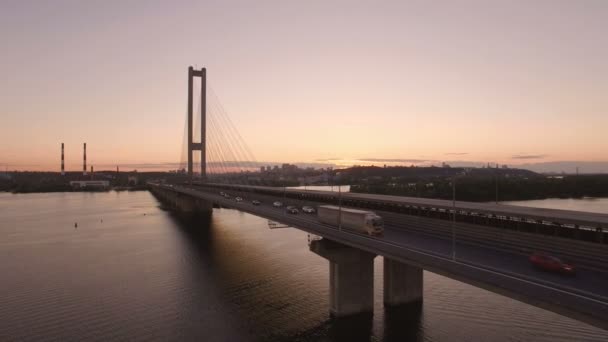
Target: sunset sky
(511, 82)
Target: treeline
(486, 188)
(24, 182)
(27, 182)
(245, 179)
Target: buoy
(75, 224)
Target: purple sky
(487, 81)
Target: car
(277, 204)
(256, 202)
(308, 209)
(238, 199)
(222, 193)
(546, 262)
(291, 209)
(226, 195)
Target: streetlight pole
(339, 207)
(496, 178)
(454, 218)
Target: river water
(132, 271)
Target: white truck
(352, 219)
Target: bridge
(485, 245)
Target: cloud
(327, 159)
(394, 160)
(456, 153)
(529, 156)
(171, 165)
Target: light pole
(284, 196)
(454, 218)
(496, 178)
(339, 208)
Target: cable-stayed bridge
(486, 245)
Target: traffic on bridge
(492, 256)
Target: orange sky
(506, 81)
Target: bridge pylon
(197, 146)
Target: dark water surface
(144, 274)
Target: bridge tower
(197, 146)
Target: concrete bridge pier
(402, 284)
(189, 204)
(351, 277)
(182, 202)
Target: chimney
(62, 162)
(91, 172)
(84, 161)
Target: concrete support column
(402, 283)
(185, 204)
(351, 277)
(203, 206)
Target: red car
(550, 263)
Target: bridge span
(486, 256)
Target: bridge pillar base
(402, 284)
(181, 202)
(351, 278)
(187, 204)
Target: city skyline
(510, 83)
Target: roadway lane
(565, 216)
(587, 282)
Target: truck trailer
(361, 221)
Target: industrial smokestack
(62, 162)
(92, 172)
(84, 161)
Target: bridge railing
(547, 227)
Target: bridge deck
(584, 297)
(553, 215)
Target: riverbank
(70, 189)
(489, 189)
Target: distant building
(132, 180)
(262, 169)
(90, 184)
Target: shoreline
(117, 189)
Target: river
(133, 271)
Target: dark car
(256, 202)
(291, 209)
(551, 263)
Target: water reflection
(403, 323)
(224, 277)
